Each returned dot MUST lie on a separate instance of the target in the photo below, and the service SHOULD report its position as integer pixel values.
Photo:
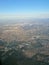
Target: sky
(24, 8)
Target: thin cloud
(24, 16)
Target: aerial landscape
(26, 42)
(24, 32)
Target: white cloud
(36, 15)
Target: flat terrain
(31, 39)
